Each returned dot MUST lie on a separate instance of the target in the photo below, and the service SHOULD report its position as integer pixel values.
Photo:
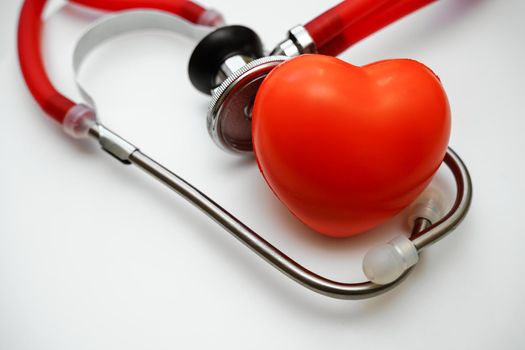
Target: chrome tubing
(423, 234)
(459, 209)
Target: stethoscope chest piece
(228, 64)
(229, 116)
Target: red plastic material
(334, 21)
(345, 147)
(29, 44)
(183, 8)
(382, 17)
(32, 65)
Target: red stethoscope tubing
(47, 96)
(29, 53)
(369, 24)
(360, 18)
(334, 21)
(185, 9)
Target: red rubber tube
(183, 8)
(331, 23)
(370, 24)
(30, 23)
(32, 65)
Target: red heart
(346, 147)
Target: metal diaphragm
(229, 116)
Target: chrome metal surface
(230, 66)
(112, 143)
(298, 42)
(228, 125)
(420, 224)
(255, 242)
(286, 48)
(422, 233)
(280, 260)
(302, 39)
(459, 209)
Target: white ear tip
(386, 263)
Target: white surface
(94, 255)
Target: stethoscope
(229, 63)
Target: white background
(96, 255)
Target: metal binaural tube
(459, 209)
(287, 265)
(255, 242)
(423, 234)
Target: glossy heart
(346, 147)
